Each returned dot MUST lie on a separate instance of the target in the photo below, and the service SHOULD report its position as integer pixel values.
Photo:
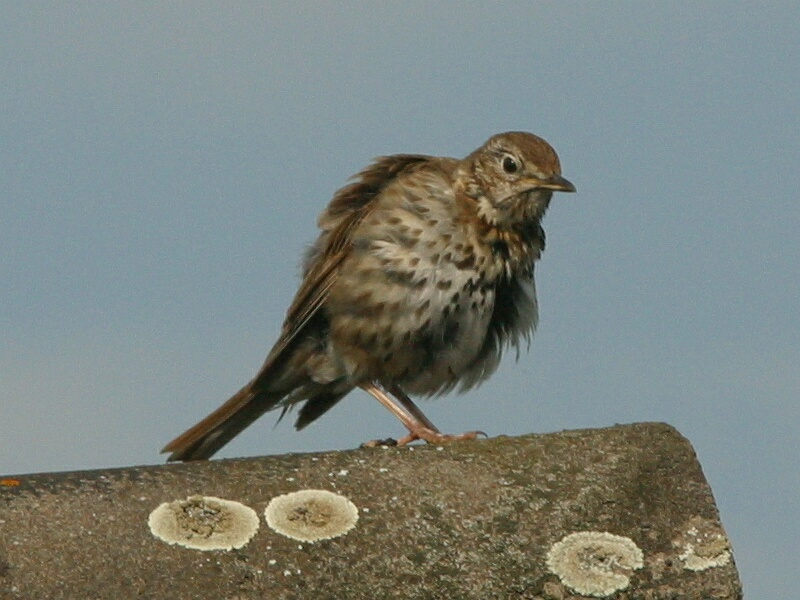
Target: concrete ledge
(486, 519)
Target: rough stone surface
(467, 520)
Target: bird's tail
(217, 429)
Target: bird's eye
(510, 165)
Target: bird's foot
(376, 443)
(428, 435)
(435, 437)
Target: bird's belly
(412, 314)
(421, 337)
(442, 357)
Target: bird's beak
(554, 182)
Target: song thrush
(421, 276)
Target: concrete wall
(623, 512)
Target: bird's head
(512, 178)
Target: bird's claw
(436, 437)
(376, 443)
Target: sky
(162, 166)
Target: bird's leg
(418, 425)
(406, 417)
(412, 408)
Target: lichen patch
(204, 523)
(311, 515)
(702, 545)
(594, 563)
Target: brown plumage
(421, 276)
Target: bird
(421, 277)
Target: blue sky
(162, 167)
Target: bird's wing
(345, 211)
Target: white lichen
(204, 523)
(702, 546)
(594, 563)
(311, 515)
